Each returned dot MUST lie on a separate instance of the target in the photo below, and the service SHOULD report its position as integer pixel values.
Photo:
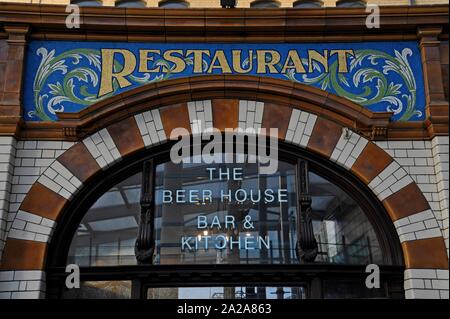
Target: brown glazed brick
(407, 201)
(445, 77)
(276, 116)
(433, 76)
(2, 75)
(79, 161)
(175, 116)
(324, 137)
(3, 50)
(10, 98)
(43, 202)
(23, 255)
(372, 161)
(126, 136)
(444, 53)
(425, 253)
(13, 76)
(225, 113)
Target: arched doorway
(306, 118)
(352, 230)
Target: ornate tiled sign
(64, 76)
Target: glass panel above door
(206, 215)
(225, 214)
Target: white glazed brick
(32, 227)
(426, 284)
(200, 116)
(102, 148)
(23, 284)
(7, 160)
(418, 226)
(250, 115)
(60, 180)
(422, 294)
(348, 148)
(27, 169)
(392, 179)
(427, 164)
(300, 127)
(151, 127)
(440, 151)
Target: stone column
(7, 158)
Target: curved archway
(197, 88)
(307, 126)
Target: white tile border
(300, 127)
(102, 148)
(151, 127)
(28, 226)
(22, 284)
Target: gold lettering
(219, 56)
(108, 71)
(237, 64)
(263, 64)
(293, 61)
(144, 58)
(342, 59)
(198, 59)
(313, 55)
(180, 65)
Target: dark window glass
(227, 293)
(347, 288)
(107, 233)
(272, 238)
(342, 230)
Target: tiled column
(11, 78)
(12, 53)
(7, 156)
(436, 104)
(440, 149)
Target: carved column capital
(12, 76)
(17, 34)
(436, 103)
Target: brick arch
(197, 88)
(422, 242)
